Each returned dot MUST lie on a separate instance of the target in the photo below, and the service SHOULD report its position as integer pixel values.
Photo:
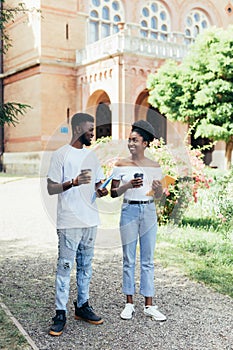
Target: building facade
(95, 56)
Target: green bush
(223, 202)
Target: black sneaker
(59, 322)
(86, 313)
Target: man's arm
(55, 188)
(117, 191)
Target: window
(154, 7)
(115, 5)
(105, 30)
(145, 12)
(195, 23)
(96, 2)
(94, 33)
(94, 14)
(104, 16)
(105, 12)
(155, 21)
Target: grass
(203, 255)
(205, 223)
(10, 337)
(202, 246)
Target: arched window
(154, 21)
(196, 22)
(104, 16)
(105, 13)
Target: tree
(8, 111)
(199, 91)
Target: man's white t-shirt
(75, 208)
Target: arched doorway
(103, 120)
(143, 110)
(99, 103)
(201, 142)
(159, 123)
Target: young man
(74, 174)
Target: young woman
(135, 177)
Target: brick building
(95, 56)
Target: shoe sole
(156, 319)
(126, 318)
(56, 333)
(89, 321)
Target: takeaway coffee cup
(86, 172)
(138, 175)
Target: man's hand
(83, 178)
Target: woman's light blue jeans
(75, 243)
(138, 221)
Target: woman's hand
(157, 188)
(136, 183)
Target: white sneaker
(128, 311)
(154, 313)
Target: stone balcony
(173, 47)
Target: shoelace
(58, 318)
(89, 308)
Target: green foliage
(175, 201)
(214, 208)
(165, 89)
(8, 14)
(176, 198)
(224, 203)
(200, 89)
(9, 112)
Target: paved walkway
(197, 317)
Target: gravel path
(197, 317)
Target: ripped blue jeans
(74, 244)
(138, 222)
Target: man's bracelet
(73, 184)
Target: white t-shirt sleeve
(99, 174)
(55, 172)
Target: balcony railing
(173, 47)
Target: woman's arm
(117, 191)
(100, 192)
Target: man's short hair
(80, 118)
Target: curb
(19, 326)
(4, 180)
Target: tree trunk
(228, 153)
